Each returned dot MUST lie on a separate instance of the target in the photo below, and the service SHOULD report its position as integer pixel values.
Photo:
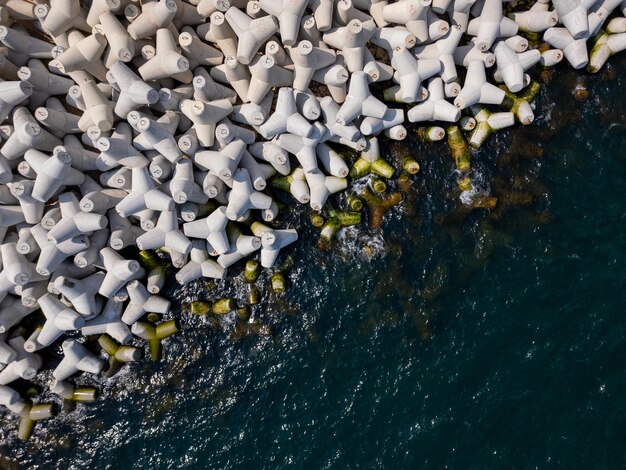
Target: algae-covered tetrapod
(154, 334)
(459, 148)
(378, 206)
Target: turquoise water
(484, 340)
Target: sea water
(448, 338)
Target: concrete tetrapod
(435, 107)
(272, 241)
(76, 357)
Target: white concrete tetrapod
(243, 197)
(144, 195)
(272, 241)
(411, 14)
(223, 162)
(74, 221)
(205, 116)
(157, 135)
(307, 104)
(476, 88)
(226, 132)
(119, 272)
(167, 62)
(347, 10)
(17, 270)
(89, 256)
(278, 53)
(235, 74)
(272, 154)
(359, 101)
(77, 358)
(393, 37)
(331, 161)
(574, 50)
(511, 66)
(24, 366)
(307, 59)
(166, 234)
(487, 25)
(154, 16)
(599, 12)
(27, 134)
(182, 187)
(51, 255)
(213, 187)
(322, 186)
(207, 7)
(259, 173)
(134, 92)
(347, 131)
(286, 117)
(118, 150)
(443, 50)
(351, 40)
(322, 13)
(537, 19)
(573, 15)
(265, 75)
(251, 33)
(302, 147)
(13, 93)
(12, 400)
(374, 126)
(241, 246)
(81, 293)
(24, 46)
(198, 51)
(207, 89)
(7, 353)
(84, 53)
(122, 233)
(289, 14)
(12, 312)
(335, 78)
(121, 46)
(56, 119)
(199, 265)
(43, 83)
(98, 111)
(463, 55)
(142, 302)
(22, 189)
(219, 31)
(410, 73)
(61, 16)
(109, 321)
(251, 113)
(211, 228)
(53, 172)
(59, 319)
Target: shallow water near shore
(478, 340)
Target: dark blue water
(489, 339)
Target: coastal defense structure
(172, 126)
